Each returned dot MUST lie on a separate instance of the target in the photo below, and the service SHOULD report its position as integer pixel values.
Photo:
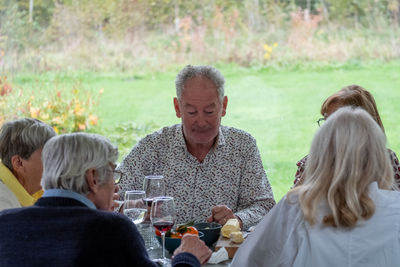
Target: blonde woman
(344, 213)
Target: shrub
(67, 108)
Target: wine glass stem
(163, 244)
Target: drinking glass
(134, 206)
(154, 186)
(162, 217)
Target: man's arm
(256, 197)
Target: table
(156, 253)
(147, 232)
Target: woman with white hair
(21, 143)
(344, 213)
(71, 225)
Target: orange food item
(176, 235)
(191, 230)
(158, 233)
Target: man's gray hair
(66, 159)
(209, 72)
(22, 137)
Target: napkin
(218, 256)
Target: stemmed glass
(134, 206)
(162, 217)
(154, 186)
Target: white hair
(347, 154)
(67, 158)
(208, 72)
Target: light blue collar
(69, 194)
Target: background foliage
(116, 35)
(107, 66)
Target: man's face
(32, 171)
(103, 198)
(200, 111)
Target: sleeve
(256, 197)
(265, 246)
(396, 167)
(7, 198)
(185, 259)
(130, 249)
(298, 179)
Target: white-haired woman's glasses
(118, 175)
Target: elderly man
(21, 143)
(214, 172)
(68, 225)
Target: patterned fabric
(231, 174)
(393, 158)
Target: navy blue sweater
(60, 231)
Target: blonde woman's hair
(355, 96)
(347, 154)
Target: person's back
(373, 242)
(67, 233)
(344, 214)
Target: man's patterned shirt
(231, 174)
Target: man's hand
(221, 214)
(117, 204)
(192, 244)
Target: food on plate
(232, 225)
(180, 231)
(236, 237)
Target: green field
(278, 107)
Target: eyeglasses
(320, 121)
(117, 176)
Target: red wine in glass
(162, 217)
(163, 226)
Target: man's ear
(91, 179)
(18, 168)
(177, 109)
(16, 162)
(224, 105)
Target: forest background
(108, 66)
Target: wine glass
(154, 186)
(134, 206)
(162, 217)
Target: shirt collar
(24, 198)
(180, 140)
(69, 194)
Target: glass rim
(154, 176)
(162, 198)
(135, 191)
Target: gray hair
(209, 72)
(66, 159)
(23, 137)
(347, 154)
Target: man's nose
(201, 120)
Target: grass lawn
(278, 107)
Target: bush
(67, 108)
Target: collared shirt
(69, 194)
(15, 188)
(301, 164)
(284, 238)
(231, 174)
